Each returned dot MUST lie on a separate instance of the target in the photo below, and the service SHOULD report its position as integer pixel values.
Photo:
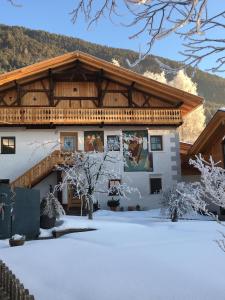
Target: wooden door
(74, 200)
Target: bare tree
(12, 2)
(191, 20)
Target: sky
(54, 16)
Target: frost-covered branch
(212, 180)
(190, 20)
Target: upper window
(8, 145)
(156, 143)
(155, 185)
(68, 141)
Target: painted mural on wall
(94, 141)
(136, 151)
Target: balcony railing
(52, 115)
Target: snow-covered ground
(132, 256)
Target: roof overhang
(213, 131)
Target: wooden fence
(10, 286)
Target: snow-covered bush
(51, 207)
(176, 204)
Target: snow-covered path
(129, 257)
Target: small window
(8, 145)
(156, 143)
(155, 185)
(113, 190)
(113, 142)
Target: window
(155, 185)
(113, 142)
(68, 141)
(8, 145)
(156, 143)
(113, 190)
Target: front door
(74, 201)
(68, 141)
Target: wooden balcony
(52, 115)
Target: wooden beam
(146, 102)
(74, 98)
(18, 93)
(100, 92)
(103, 93)
(2, 99)
(51, 88)
(116, 91)
(47, 91)
(35, 90)
(130, 94)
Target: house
(67, 102)
(209, 143)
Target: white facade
(32, 145)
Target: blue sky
(54, 16)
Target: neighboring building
(211, 142)
(66, 102)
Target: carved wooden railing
(45, 115)
(39, 171)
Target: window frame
(111, 183)
(150, 183)
(115, 136)
(65, 134)
(161, 140)
(2, 146)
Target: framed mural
(94, 141)
(113, 142)
(136, 153)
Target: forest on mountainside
(21, 46)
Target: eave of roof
(208, 132)
(188, 101)
(184, 148)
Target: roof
(188, 102)
(184, 148)
(214, 130)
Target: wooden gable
(209, 143)
(81, 81)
